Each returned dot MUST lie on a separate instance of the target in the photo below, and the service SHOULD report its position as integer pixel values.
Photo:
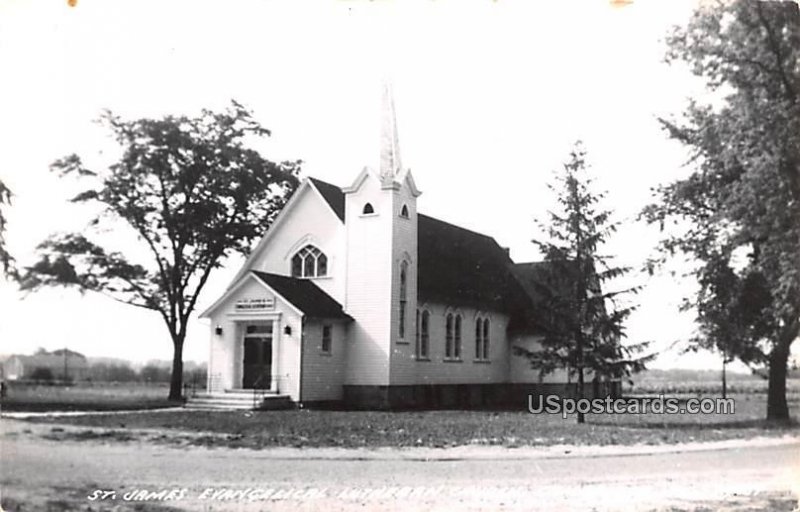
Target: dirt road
(53, 474)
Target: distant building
(62, 364)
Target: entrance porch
(252, 359)
(258, 331)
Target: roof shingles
(456, 266)
(333, 196)
(463, 267)
(304, 295)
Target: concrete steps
(239, 399)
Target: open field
(667, 383)
(351, 429)
(103, 396)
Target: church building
(354, 298)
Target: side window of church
(448, 338)
(309, 262)
(404, 212)
(486, 339)
(479, 338)
(452, 342)
(416, 333)
(401, 330)
(326, 339)
(424, 336)
(457, 339)
(482, 339)
(368, 209)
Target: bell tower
(381, 290)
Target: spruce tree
(583, 324)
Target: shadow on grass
(59, 434)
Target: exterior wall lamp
(218, 330)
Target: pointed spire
(390, 165)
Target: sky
(490, 96)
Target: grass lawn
(305, 428)
(85, 397)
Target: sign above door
(256, 304)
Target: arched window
(368, 209)
(297, 265)
(485, 339)
(404, 212)
(309, 262)
(457, 339)
(482, 339)
(416, 333)
(424, 335)
(322, 265)
(401, 330)
(478, 338)
(448, 340)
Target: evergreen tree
(583, 324)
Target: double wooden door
(257, 362)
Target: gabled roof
(536, 279)
(304, 294)
(456, 265)
(533, 277)
(462, 267)
(546, 281)
(543, 280)
(332, 194)
(334, 198)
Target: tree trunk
(777, 408)
(581, 418)
(724, 378)
(579, 338)
(176, 381)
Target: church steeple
(390, 173)
(390, 164)
(381, 258)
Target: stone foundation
(461, 396)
